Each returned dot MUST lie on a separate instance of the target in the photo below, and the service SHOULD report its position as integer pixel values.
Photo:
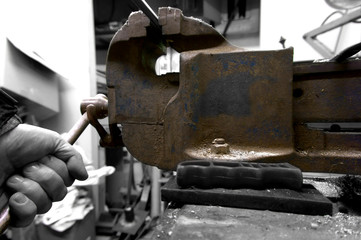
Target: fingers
(32, 190)
(48, 179)
(59, 167)
(44, 180)
(22, 210)
(73, 159)
(41, 184)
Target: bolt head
(219, 146)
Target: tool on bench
(92, 109)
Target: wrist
(12, 123)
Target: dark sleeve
(8, 110)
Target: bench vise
(228, 103)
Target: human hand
(38, 165)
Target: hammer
(92, 108)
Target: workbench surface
(214, 222)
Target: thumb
(26, 143)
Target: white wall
(61, 32)
(293, 18)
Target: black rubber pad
(307, 200)
(208, 174)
